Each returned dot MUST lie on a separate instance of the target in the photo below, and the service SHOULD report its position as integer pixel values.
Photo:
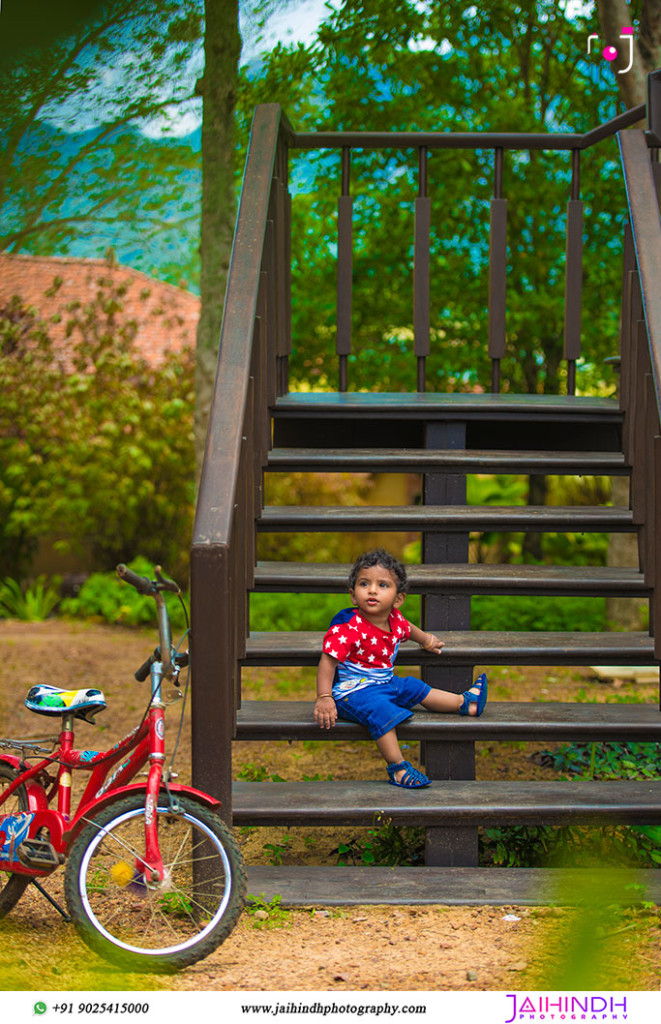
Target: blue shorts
(382, 706)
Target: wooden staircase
(258, 427)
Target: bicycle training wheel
(12, 886)
(161, 926)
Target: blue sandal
(412, 778)
(475, 698)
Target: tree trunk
(614, 15)
(222, 49)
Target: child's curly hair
(379, 556)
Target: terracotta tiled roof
(166, 316)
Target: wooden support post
(213, 657)
(447, 846)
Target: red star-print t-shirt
(366, 654)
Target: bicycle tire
(128, 920)
(12, 886)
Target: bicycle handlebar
(141, 583)
(144, 585)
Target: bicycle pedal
(38, 853)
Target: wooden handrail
(640, 390)
(467, 140)
(253, 346)
(646, 231)
(215, 505)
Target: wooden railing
(500, 143)
(252, 371)
(640, 387)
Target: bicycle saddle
(51, 700)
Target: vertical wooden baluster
(497, 272)
(421, 269)
(573, 274)
(344, 270)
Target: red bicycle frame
(111, 772)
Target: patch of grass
(266, 914)
(257, 773)
(48, 953)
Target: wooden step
(503, 720)
(589, 580)
(475, 647)
(446, 518)
(423, 460)
(448, 803)
(345, 886)
(436, 406)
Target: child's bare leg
(445, 702)
(388, 744)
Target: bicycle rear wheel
(12, 886)
(160, 926)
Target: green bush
(104, 596)
(565, 614)
(96, 444)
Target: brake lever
(164, 583)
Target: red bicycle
(154, 879)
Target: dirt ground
(319, 949)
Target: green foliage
(565, 614)
(96, 445)
(104, 596)
(31, 603)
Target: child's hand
(325, 712)
(432, 643)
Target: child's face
(376, 593)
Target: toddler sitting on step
(355, 678)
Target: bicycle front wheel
(162, 926)
(12, 886)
